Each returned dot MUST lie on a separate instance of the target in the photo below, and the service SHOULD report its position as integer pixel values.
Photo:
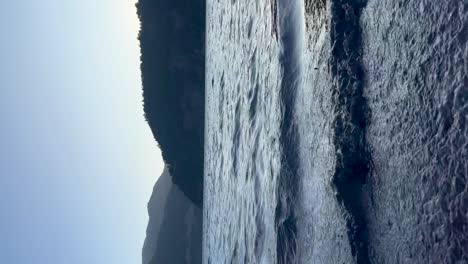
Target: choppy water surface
(254, 70)
(312, 129)
(261, 191)
(243, 119)
(269, 154)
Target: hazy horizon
(78, 160)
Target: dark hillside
(173, 72)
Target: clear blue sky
(77, 160)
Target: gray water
(255, 73)
(259, 78)
(288, 136)
(242, 151)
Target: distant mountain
(156, 207)
(174, 232)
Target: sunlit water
(256, 84)
(242, 155)
(268, 154)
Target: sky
(77, 160)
